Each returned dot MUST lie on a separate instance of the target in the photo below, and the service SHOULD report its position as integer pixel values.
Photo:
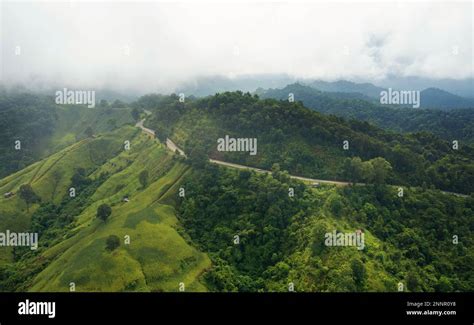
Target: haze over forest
(159, 47)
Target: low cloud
(155, 46)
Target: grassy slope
(73, 121)
(51, 176)
(157, 259)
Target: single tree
(444, 284)
(275, 168)
(112, 242)
(335, 204)
(367, 172)
(104, 211)
(79, 178)
(28, 195)
(381, 169)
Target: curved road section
(173, 147)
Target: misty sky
(155, 46)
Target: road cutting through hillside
(173, 147)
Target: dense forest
(450, 125)
(26, 118)
(260, 238)
(308, 143)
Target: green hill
(408, 240)
(310, 144)
(455, 124)
(73, 250)
(156, 240)
(50, 177)
(43, 128)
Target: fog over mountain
(143, 47)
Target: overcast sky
(154, 46)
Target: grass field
(157, 258)
(72, 122)
(50, 178)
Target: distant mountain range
(447, 124)
(344, 86)
(461, 87)
(430, 97)
(437, 94)
(441, 99)
(210, 85)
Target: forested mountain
(191, 239)
(461, 87)
(431, 97)
(203, 227)
(409, 241)
(441, 99)
(311, 144)
(344, 86)
(449, 125)
(28, 119)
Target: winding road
(169, 144)
(258, 170)
(173, 147)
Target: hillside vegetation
(43, 128)
(449, 125)
(146, 219)
(281, 238)
(73, 241)
(307, 143)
